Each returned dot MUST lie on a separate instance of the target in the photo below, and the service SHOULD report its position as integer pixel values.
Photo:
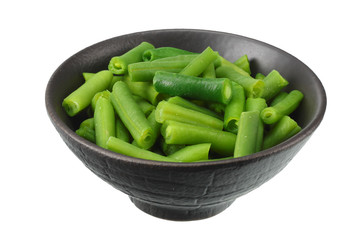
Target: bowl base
(180, 213)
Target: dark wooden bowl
(186, 191)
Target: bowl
(185, 191)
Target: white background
(47, 193)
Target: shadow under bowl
(185, 191)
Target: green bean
(278, 98)
(145, 71)
(283, 130)
(131, 115)
(87, 133)
(274, 83)
(243, 63)
(247, 134)
(286, 106)
(200, 63)
(145, 90)
(221, 61)
(168, 111)
(209, 72)
(192, 153)
(121, 131)
(104, 119)
(234, 109)
(182, 133)
(218, 108)
(163, 52)
(154, 125)
(82, 96)
(119, 146)
(190, 105)
(89, 122)
(105, 94)
(179, 58)
(253, 87)
(259, 76)
(87, 75)
(169, 149)
(209, 89)
(115, 79)
(144, 105)
(257, 104)
(119, 64)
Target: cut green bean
(285, 107)
(121, 131)
(257, 104)
(190, 105)
(119, 64)
(87, 75)
(278, 98)
(259, 76)
(179, 58)
(182, 133)
(283, 130)
(145, 106)
(87, 133)
(145, 71)
(192, 153)
(104, 94)
(209, 72)
(131, 115)
(234, 109)
(82, 96)
(253, 87)
(89, 122)
(104, 119)
(200, 63)
(209, 89)
(274, 83)
(243, 63)
(115, 79)
(119, 146)
(145, 90)
(247, 134)
(221, 61)
(163, 52)
(218, 108)
(169, 149)
(168, 111)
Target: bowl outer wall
(186, 184)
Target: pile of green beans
(170, 104)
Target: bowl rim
(304, 133)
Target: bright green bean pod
(119, 146)
(145, 71)
(145, 90)
(81, 97)
(190, 105)
(179, 58)
(278, 98)
(257, 104)
(168, 111)
(89, 122)
(131, 115)
(209, 89)
(283, 130)
(115, 79)
(253, 87)
(87, 133)
(234, 109)
(163, 52)
(221, 61)
(259, 76)
(121, 131)
(200, 63)
(243, 63)
(182, 133)
(169, 149)
(285, 107)
(104, 119)
(274, 83)
(145, 106)
(104, 94)
(247, 134)
(87, 75)
(119, 64)
(192, 153)
(209, 72)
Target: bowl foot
(180, 213)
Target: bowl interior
(263, 58)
